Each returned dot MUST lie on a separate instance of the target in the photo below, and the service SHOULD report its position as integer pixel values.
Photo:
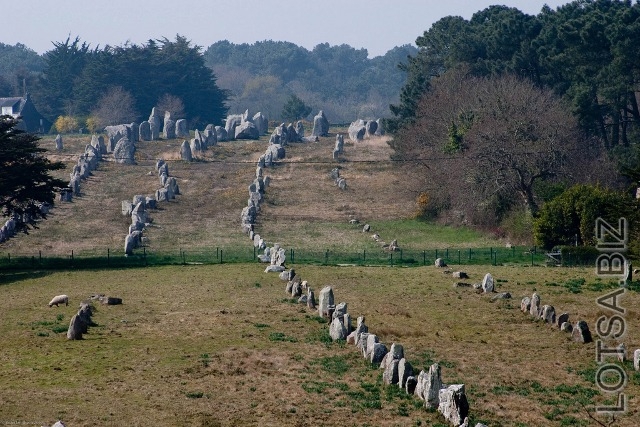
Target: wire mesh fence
(109, 258)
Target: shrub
(66, 124)
(569, 219)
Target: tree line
(503, 112)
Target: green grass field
(221, 344)
(224, 345)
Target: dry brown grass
(144, 364)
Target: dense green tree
(571, 216)
(25, 180)
(53, 95)
(295, 109)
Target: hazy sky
(377, 25)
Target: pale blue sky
(377, 25)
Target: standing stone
(154, 129)
(360, 328)
(439, 262)
(155, 121)
(564, 317)
(548, 314)
(134, 131)
(185, 152)
(372, 127)
(535, 305)
(410, 386)
(129, 244)
(337, 331)
(636, 360)
(453, 404)
(566, 327)
(487, 283)
(372, 339)
(525, 304)
(76, 326)
(246, 130)
(169, 131)
(311, 300)
(581, 332)
(261, 122)
(366, 228)
(622, 352)
(431, 387)
(144, 131)
(320, 125)
(299, 129)
(124, 152)
(181, 128)
(221, 134)
(378, 353)
(324, 301)
(339, 147)
(59, 145)
(390, 374)
(380, 129)
(357, 130)
(405, 370)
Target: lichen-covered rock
(487, 283)
(525, 304)
(548, 314)
(534, 310)
(325, 299)
(337, 331)
(390, 374)
(320, 125)
(377, 353)
(124, 152)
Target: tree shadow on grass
(8, 277)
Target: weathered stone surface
(566, 327)
(76, 326)
(181, 128)
(129, 244)
(311, 300)
(320, 125)
(377, 353)
(247, 130)
(185, 152)
(366, 228)
(564, 317)
(144, 131)
(535, 305)
(379, 129)
(459, 275)
(261, 122)
(357, 130)
(59, 143)
(439, 262)
(390, 374)
(430, 384)
(162, 195)
(169, 130)
(372, 127)
(405, 370)
(622, 352)
(453, 404)
(325, 299)
(525, 304)
(487, 283)
(221, 134)
(581, 332)
(124, 152)
(636, 360)
(548, 314)
(274, 269)
(337, 331)
(351, 338)
(127, 207)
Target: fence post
(364, 255)
(220, 256)
(531, 258)
(447, 253)
(391, 258)
(9, 257)
(326, 256)
(400, 256)
(184, 260)
(40, 256)
(254, 253)
(144, 255)
(424, 257)
(71, 256)
(436, 254)
(469, 254)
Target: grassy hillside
(303, 208)
(224, 346)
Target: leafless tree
(173, 104)
(484, 144)
(115, 107)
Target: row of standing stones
(449, 400)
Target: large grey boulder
(429, 385)
(379, 128)
(525, 304)
(390, 374)
(453, 404)
(405, 370)
(377, 353)
(124, 152)
(232, 121)
(221, 134)
(129, 244)
(320, 125)
(548, 314)
(636, 360)
(169, 130)
(155, 124)
(371, 127)
(247, 130)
